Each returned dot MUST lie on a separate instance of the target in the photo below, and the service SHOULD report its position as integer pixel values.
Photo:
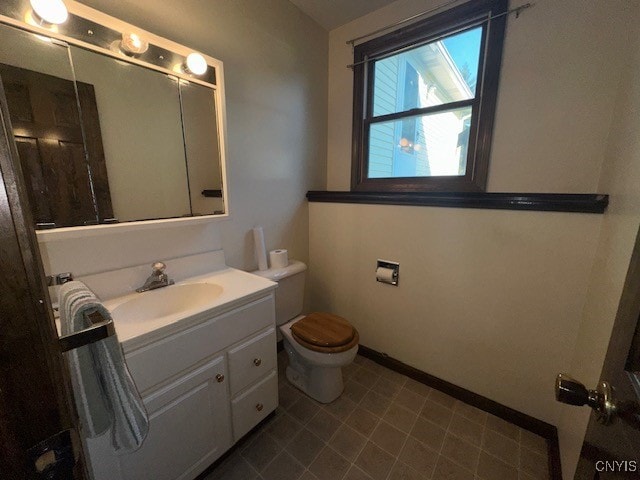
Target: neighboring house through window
(424, 101)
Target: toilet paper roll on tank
(278, 258)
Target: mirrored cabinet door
(38, 82)
(202, 148)
(138, 110)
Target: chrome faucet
(157, 279)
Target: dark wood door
(613, 451)
(37, 417)
(60, 147)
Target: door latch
(572, 392)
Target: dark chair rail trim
(542, 202)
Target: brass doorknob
(572, 392)
(257, 362)
(220, 378)
(259, 407)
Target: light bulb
(50, 11)
(132, 44)
(196, 64)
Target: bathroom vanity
(120, 131)
(143, 147)
(206, 369)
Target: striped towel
(105, 393)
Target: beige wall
(621, 179)
(492, 301)
(486, 300)
(84, 256)
(275, 61)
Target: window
(424, 102)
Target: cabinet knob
(257, 362)
(220, 378)
(259, 407)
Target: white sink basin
(166, 301)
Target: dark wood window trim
(465, 15)
(543, 202)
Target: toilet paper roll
(260, 249)
(385, 275)
(279, 258)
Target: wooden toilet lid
(324, 331)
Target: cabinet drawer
(254, 405)
(251, 360)
(162, 360)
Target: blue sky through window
(464, 48)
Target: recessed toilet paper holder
(387, 272)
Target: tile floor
(384, 426)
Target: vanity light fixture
(52, 12)
(131, 44)
(196, 64)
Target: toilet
(318, 344)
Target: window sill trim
(541, 202)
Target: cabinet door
(189, 427)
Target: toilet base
(322, 384)
(317, 374)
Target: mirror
(204, 175)
(104, 140)
(144, 152)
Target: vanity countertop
(238, 288)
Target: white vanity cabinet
(204, 387)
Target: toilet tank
(290, 291)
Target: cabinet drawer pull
(220, 378)
(257, 362)
(259, 407)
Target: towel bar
(100, 329)
(59, 279)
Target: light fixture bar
(86, 32)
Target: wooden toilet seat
(325, 332)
